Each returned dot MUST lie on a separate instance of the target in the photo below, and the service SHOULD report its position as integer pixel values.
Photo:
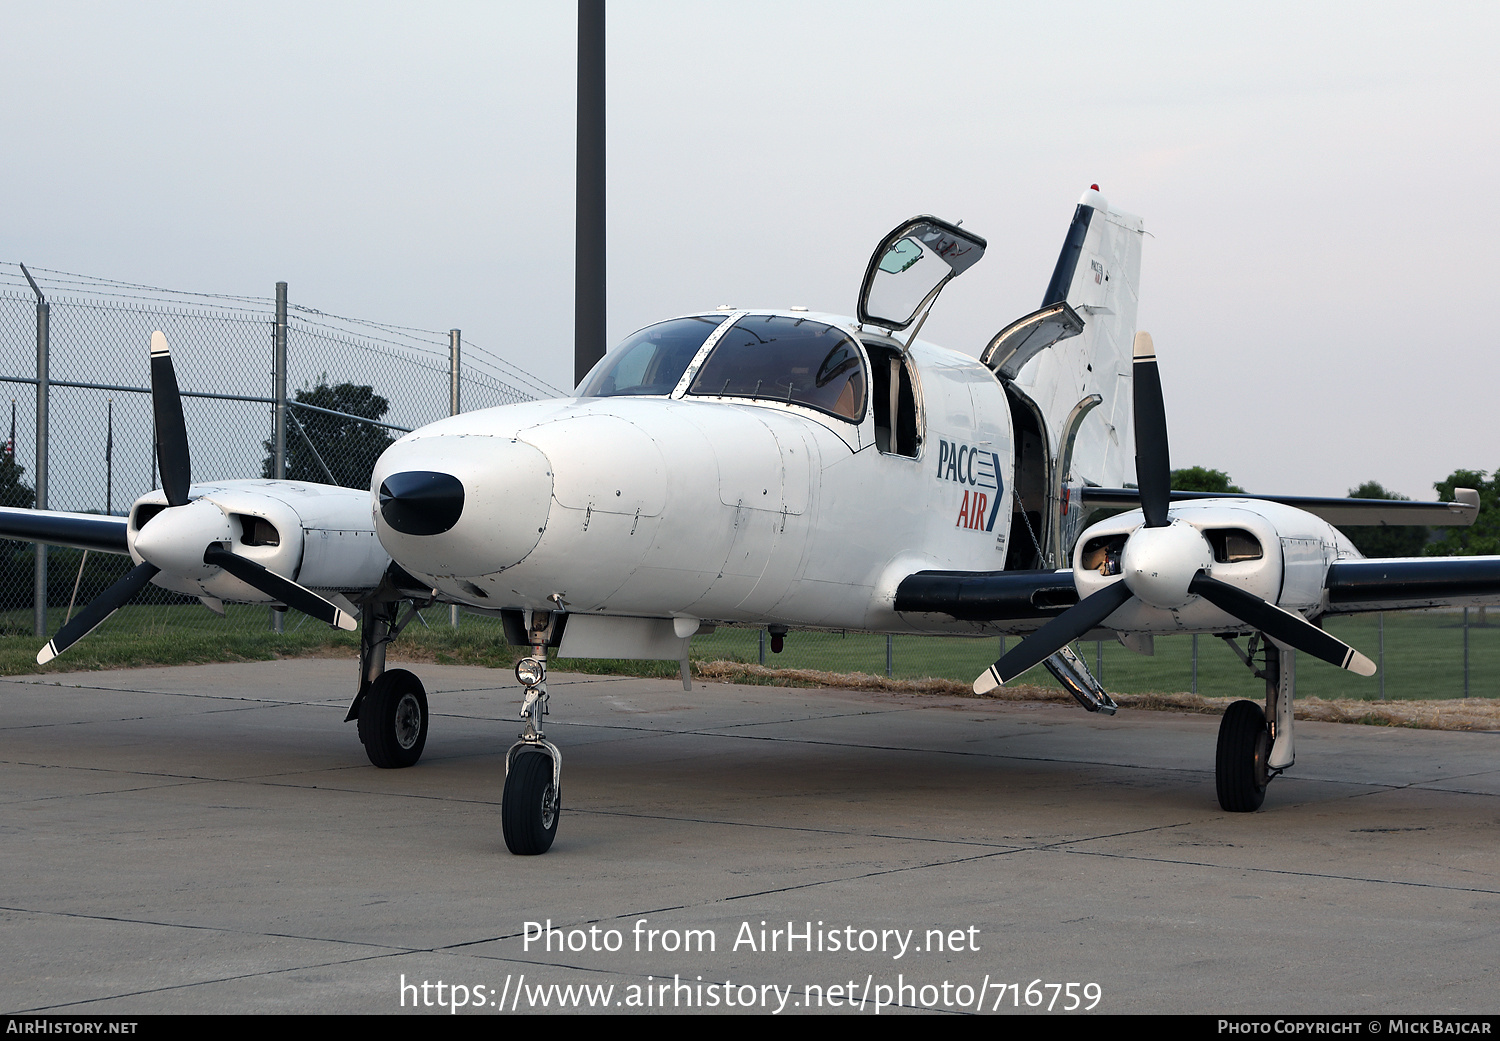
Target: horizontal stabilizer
(1341, 513)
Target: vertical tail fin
(1098, 275)
(1067, 368)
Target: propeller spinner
(1166, 563)
(188, 536)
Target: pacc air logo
(979, 470)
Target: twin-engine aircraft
(797, 470)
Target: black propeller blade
(171, 431)
(1153, 469)
(102, 606)
(1055, 635)
(273, 585)
(1281, 625)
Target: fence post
(763, 645)
(1195, 663)
(278, 391)
(889, 654)
(1380, 666)
(1466, 652)
(43, 388)
(455, 341)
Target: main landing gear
(1255, 745)
(532, 800)
(391, 707)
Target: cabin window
(795, 360)
(651, 361)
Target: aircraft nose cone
(460, 505)
(421, 502)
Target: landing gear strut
(391, 706)
(532, 800)
(1256, 745)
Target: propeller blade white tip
(346, 621)
(987, 681)
(159, 344)
(1143, 349)
(46, 654)
(1360, 665)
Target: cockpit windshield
(651, 361)
(787, 359)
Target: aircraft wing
(1341, 513)
(91, 531)
(1404, 582)
(1353, 587)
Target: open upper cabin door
(909, 269)
(1023, 339)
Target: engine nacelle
(1278, 553)
(320, 536)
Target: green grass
(142, 635)
(1423, 651)
(1423, 659)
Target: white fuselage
(719, 509)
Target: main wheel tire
(1240, 770)
(527, 813)
(393, 720)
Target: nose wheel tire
(530, 806)
(1241, 770)
(393, 720)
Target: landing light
(530, 672)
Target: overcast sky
(1318, 180)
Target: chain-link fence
(351, 386)
(76, 347)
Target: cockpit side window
(651, 361)
(787, 359)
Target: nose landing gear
(532, 801)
